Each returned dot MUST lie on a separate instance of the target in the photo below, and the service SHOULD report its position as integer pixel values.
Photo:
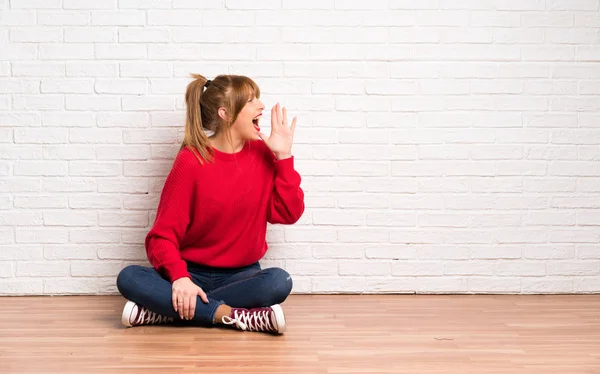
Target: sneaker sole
(125, 317)
(279, 317)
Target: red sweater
(216, 214)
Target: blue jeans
(246, 287)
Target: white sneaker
(269, 319)
(135, 315)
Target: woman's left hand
(281, 137)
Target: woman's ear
(223, 114)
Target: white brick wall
(445, 146)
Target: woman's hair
(203, 98)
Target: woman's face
(246, 126)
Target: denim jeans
(246, 287)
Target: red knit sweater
(216, 214)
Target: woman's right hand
(184, 297)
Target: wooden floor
(326, 334)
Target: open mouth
(255, 122)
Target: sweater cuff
(177, 270)
(285, 168)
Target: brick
(575, 201)
(125, 219)
(20, 185)
(497, 184)
(503, 236)
(94, 235)
(390, 251)
(494, 285)
(40, 168)
(95, 201)
(556, 87)
(63, 184)
(549, 219)
(520, 268)
(89, 102)
(586, 285)
(145, 103)
(18, 18)
(574, 168)
(314, 267)
(12, 252)
(338, 217)
(121, 252)
(40, 201)
(146, 136)
(486, 18)
(19, 51)
(80, 286)
(146, 168)
(7, 235)
(25, 286)
(332, 250)
(586, 19)
(89, 4)
(418, 168)
(144, 35)
(20, 152)
(19, 218)
(363, 267)
(549, 120)
(19, 86)
(354, 235)
(118, 18)
(123, 51)
(70, 218)
(134, 236)
(529, 168)
(67, 152)
(122, 119)
(71, 51)
(546, 285)
(544, 252)
(144, 4)
(63, 18)
(90, 35)
(119, 152)
(95, 136)
(372, 169)
(391, 219)
(40, 102)
(123, 185)
(40, 236)
(69, 119)
(574, 235)
(164, 152)
(92, 69)
(141, 202)
(555, 5)
(443, 184)
(553, 53)
(312, 235)
(95, 268)
(549, 184)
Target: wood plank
(326, 334)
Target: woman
(211, 222)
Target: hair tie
(207, 83)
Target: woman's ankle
(222, 311)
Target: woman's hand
(184, 297)
(281, 137)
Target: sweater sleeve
(286, 204)
(172, 218)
